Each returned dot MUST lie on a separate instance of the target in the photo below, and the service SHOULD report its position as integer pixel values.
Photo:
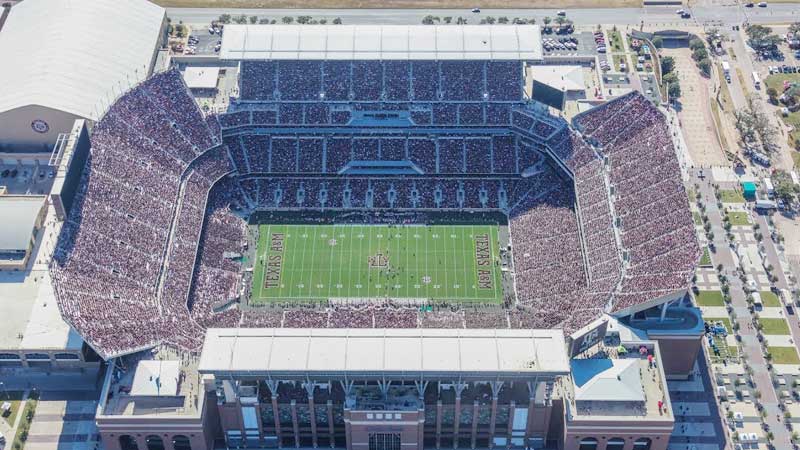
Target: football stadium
(374, 187)
(385, 191)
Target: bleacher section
(400, 135)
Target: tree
(673, 84)
(490, 20)
(772, 93)
(179, 30)
(658, 41)
(448, 19)
(287, 20)
(323, 21)
(694, 44)
(225, 18)
(502, 20)
(254, 19)
(460, 21)
(546, 22)
(427, 20)
(700, 53)
(784, 187)
(240, 19)
(303, 19)
(337, 21)
(762, 37)
(712, 34)
(705, 66)
(794, 28)
(667, 65)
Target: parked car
(476, 10)
(762, 5)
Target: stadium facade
(376, 124)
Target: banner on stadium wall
(586, 337)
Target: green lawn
(24, 425)
(726, 321)
(738, 218)
(784, 355)
(769, 298)
(618, 59)
(705, 260)
(710, 298)
(698, 219)
(793, 119)
(796, 159)
(731, 196)
(14, 398)
(719, 341)
(316, 262)
(774, 327)
(616, 41)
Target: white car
(680, 12)
(476, 10)
(211, 30)
(561, 13)
(762, 5)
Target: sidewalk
(9, 431)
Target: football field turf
(458, 263)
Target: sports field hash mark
(458, 263)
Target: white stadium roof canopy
(390, 352)
(70, 54)
(381, 42)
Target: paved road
(751, 347)
(651, 16)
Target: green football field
(458, 263)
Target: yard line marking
(313, 270)
(468, 259)
(330, 261)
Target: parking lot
(567, 45)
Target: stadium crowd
(151, 251)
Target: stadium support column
(496, 386)
(510, 427)
(331, 436)
(311, 412)
(438, 423)
(531, 410)
(457, 412)
(273, 387)
(475, 411)
(295, 424)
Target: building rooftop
(28, 304)
(156, 378)
(616, 379)
(201, 77)
(381, 42)
(153, 382)
(77, 54)
(19, 213)
(562, 78)
(393, 352)
(605, 379)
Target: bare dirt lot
(391, 4)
